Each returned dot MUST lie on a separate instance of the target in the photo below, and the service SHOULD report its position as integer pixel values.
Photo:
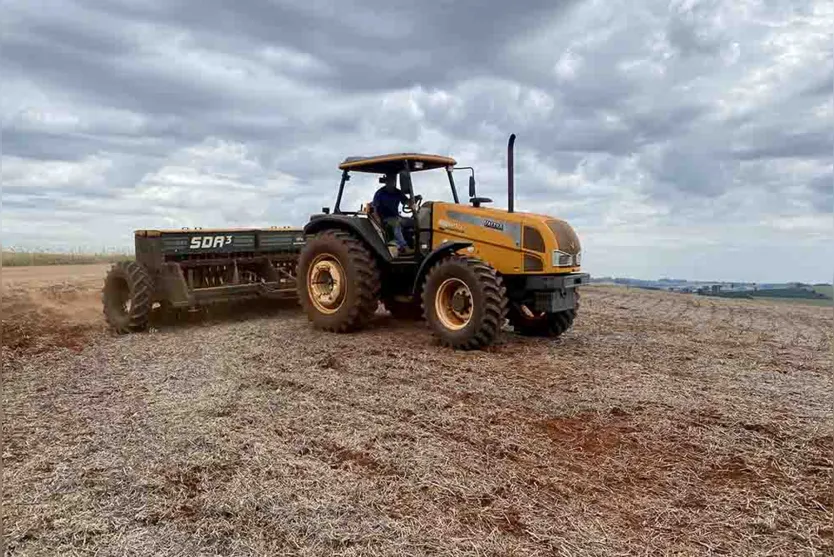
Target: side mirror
(472, 186)
(405, 182)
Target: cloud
(667, 133)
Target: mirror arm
(471, 178)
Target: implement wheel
(338, 282)
(464, 302)
(126, 297)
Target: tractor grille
(565, 236)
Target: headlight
(562, 259)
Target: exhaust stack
(510, 176)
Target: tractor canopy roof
(393, 163)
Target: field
(817, 296)
(30, 258)
(825, 290)
(821, 302)
(661, 424)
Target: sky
(683, 139)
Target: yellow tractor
(468, 268)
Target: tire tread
(140, 285)
(551, 325)
(494, 300)
(368, 284)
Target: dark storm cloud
(691, 168)
(650, 114)
(119, 80)
(370, 45)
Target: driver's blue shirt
(387, 204)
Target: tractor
(467, 270)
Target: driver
(386, 203)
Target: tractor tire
(126, 297)
(545, 325)
(338, 282)
(406, 311)
(464, 302)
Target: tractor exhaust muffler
(510, 176)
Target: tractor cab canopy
(402, 164)
(394, 163)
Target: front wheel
(542, 324)
(464, 302)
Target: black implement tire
(407, 311)
(464, 302)
(126, 297)
(544, 325)
(354, 282)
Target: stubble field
(660, 424)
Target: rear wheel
(338, 282)
(542, 324)
(464, 302)
(127, 297)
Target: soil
(660, 424)
(55, 274)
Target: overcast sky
(681, 139)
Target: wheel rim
(326, 284)
(453, 304)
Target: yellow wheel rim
(326, 284)
(453, 304)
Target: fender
(436, 255)
(360, 227)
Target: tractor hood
(565, 237)
(532, 236)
